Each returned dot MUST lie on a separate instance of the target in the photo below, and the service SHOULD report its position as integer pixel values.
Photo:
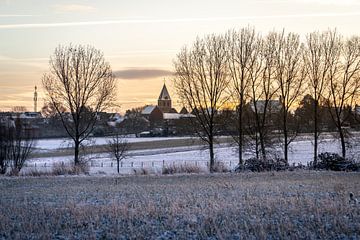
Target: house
(273, 106)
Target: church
(163, 115)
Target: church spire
(164, 101)
(164, 94)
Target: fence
(134, 164)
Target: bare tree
(84, 84)
(344, 83)
(262, 91)
(242, 49)
(289, 75)
(23, 143)
(49, 109)
(19, 109)
(5, 145)
(201, 78)
(317, 59)
(118, 147)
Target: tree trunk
(212, 159)
(76, 153)
(315, 131)
(262, 145)
(118, 166)
(285, 138)
(342, 139)
(241, 162)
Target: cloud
(331, 2)
(138, 73)
(74, 8)
(175, 20)
(16, 15)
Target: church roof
(164, 95)
(148, 110)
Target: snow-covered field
(154, 159)
(44, 145)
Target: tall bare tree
(242, 49)
(81, 80)
(201, 78)
(344, 83)
(289, 75)
(317, 58)
(262, 92)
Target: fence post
(152, 164)
(35, 165)
(142, 164)
(44, 164)
(230, 163)
(111, 164)
(195, 163)
(132, 164)
(163, 163)
(121, 164)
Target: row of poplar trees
(242, 68)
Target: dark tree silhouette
(82, 82)
(201, 78)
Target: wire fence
(133, 164)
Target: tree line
(246, 72)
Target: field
(153, 153)
(275, 205)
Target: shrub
(258, 165)
(65, 169)
(173, 169)
(35, 173)
(141, 171)
(220, 167)
(334, 162)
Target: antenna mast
(35, 99)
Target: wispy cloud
(331, 2)
(176, 20)
(74, 8)
(138, 73)
(16, 15)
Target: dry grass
(176, 169)
(275, 205)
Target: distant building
(152, 113)
(164, 101)
(272, 106)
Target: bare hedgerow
(173, 169)
(72, 169)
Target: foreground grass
(294, 205)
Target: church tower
(164, 101)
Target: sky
(140, 38)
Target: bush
(35, 173)
(173, 169)
(64, 169)
(221, 168)
(334, 162)
(141, 171)
(257, 165)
